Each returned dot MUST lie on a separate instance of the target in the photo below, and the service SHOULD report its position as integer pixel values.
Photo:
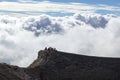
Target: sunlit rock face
(52, 64)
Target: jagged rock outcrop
(9, 72)
(56, 65)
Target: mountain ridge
(52, 64)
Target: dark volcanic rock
(55, 65)
(9, 72)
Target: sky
(63, 7)
(108, 2)
(87, 27)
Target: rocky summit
(56, 65)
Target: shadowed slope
(56, 65)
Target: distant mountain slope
(56, 65)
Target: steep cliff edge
(56, 65)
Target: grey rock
(56, 65)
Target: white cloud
(28, 1)
(80, 33)
(42, 6)
(25, 0)
(46, 6)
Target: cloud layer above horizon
(88, 34)
(25, 7)
(27, 26)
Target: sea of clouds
(87, 34)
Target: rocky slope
(56, 65)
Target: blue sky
(108, 2)
(99, 6)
